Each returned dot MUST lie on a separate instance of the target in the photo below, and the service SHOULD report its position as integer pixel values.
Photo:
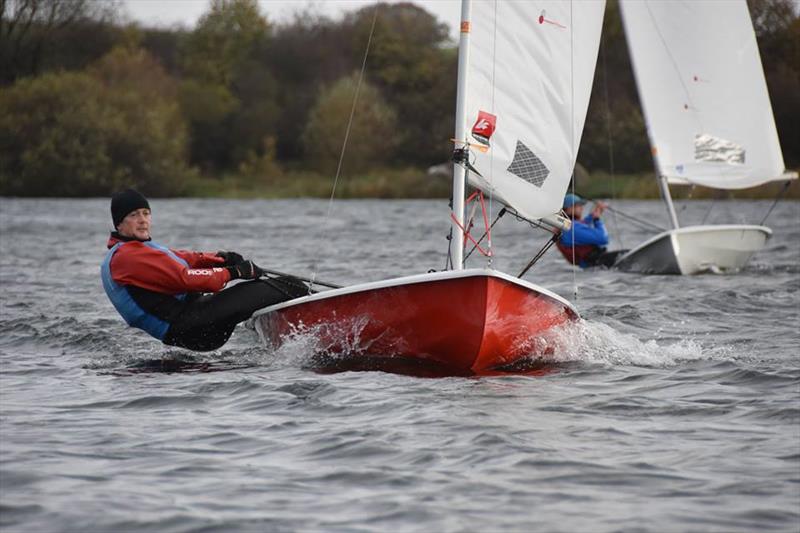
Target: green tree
(229, 96)
(308, 40)
(777, 26)
(226, 38)
(410, 61)
(37, 35)
(208, 108)
(371, 132)
(165, 45)
(89, 133)
(255, 122)
(614, 130)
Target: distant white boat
(709, 121)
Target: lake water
(674, 405)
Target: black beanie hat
(123, 202)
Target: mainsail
(530, 78)
(703, 92)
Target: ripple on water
(676, 396)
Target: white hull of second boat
(696, 249)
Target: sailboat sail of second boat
(709, 120)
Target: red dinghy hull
(470, 321)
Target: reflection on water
(176, 365)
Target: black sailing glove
(245, 270)
(231, 258)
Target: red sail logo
(484, 127)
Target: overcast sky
(187, 12)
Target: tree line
(89, 104)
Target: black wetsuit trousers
(208, 320)
(604, 258)
(607, 259)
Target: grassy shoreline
(403, 183)
(644, 186)
(415, 183)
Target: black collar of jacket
(123, 238)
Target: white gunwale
(414, 279)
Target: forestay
(703, 92)
(530, 78)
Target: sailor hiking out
(179, 296)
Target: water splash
(598, 343)
(305, 344)
(578, 342)
(582, 342)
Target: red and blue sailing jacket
(148, 282)
(590, 239)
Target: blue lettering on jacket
(133, 314)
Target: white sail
(530, 77)
(703, 91)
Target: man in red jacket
(166, 292)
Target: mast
(663, 185)
(673, 216)
(459, 172)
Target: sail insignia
(484, 127)
(527, 166)
(710, 149)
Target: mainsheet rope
(344, 145)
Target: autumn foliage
(89, 104)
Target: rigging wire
(541, 252)
(491, 155)
(780, 195)
(448, 260)
(632, 218)
(474, 246)
(344, 144)
(708, 211)
(636, 220)
(609, 137)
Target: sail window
(710, 149)
(527, 166)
